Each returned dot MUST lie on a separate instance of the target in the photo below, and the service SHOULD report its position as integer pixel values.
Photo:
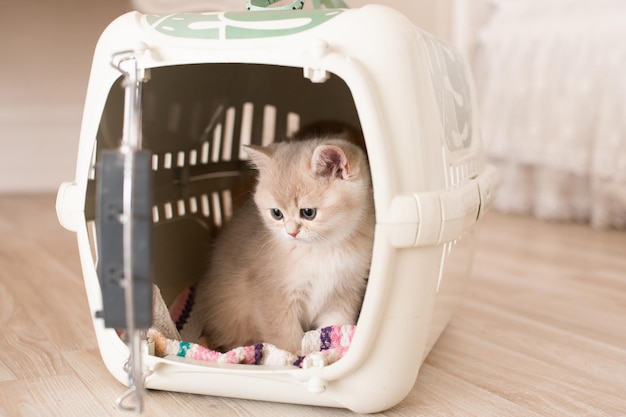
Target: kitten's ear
(259, 156)
(330, 161)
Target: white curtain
(551, 82)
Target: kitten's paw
(292, 344)
(334, 318)
(205, 341)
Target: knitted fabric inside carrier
(176, 329)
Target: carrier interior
(195, 119)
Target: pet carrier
(197, 86)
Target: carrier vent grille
(219, 140)
(219, 137)
(217, 206)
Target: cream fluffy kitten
(297, 257)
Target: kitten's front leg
(282, 328)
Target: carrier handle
(435, 217)
(295, 4)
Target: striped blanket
(175, 329)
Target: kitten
(297, 256)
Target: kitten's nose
(292, 229)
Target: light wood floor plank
(89, 367)
(438, 393)
(26, 351)
(53, 396)
(48, 291)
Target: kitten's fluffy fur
(270, 279)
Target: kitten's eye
(308, 213)
(276, 214)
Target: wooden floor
(542, 331)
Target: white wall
(45, 57)
(430, 15)
(45, 51)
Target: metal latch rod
(129, 172)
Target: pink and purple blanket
(175, 327)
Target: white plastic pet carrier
(210, 82)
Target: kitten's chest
(311, 279)
(317, 267)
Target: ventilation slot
(229, 130)
(245, 137)
(193, 157)
(217, 141)
(167, 160)
(204, 153)
(269, 125)
(204, 204)
(180, 159)
(227, 204)
(293, 123)
(155, 214)
(180, 208)
(169, 213)
(193, 205)
(217, 210)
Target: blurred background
(549, 79)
